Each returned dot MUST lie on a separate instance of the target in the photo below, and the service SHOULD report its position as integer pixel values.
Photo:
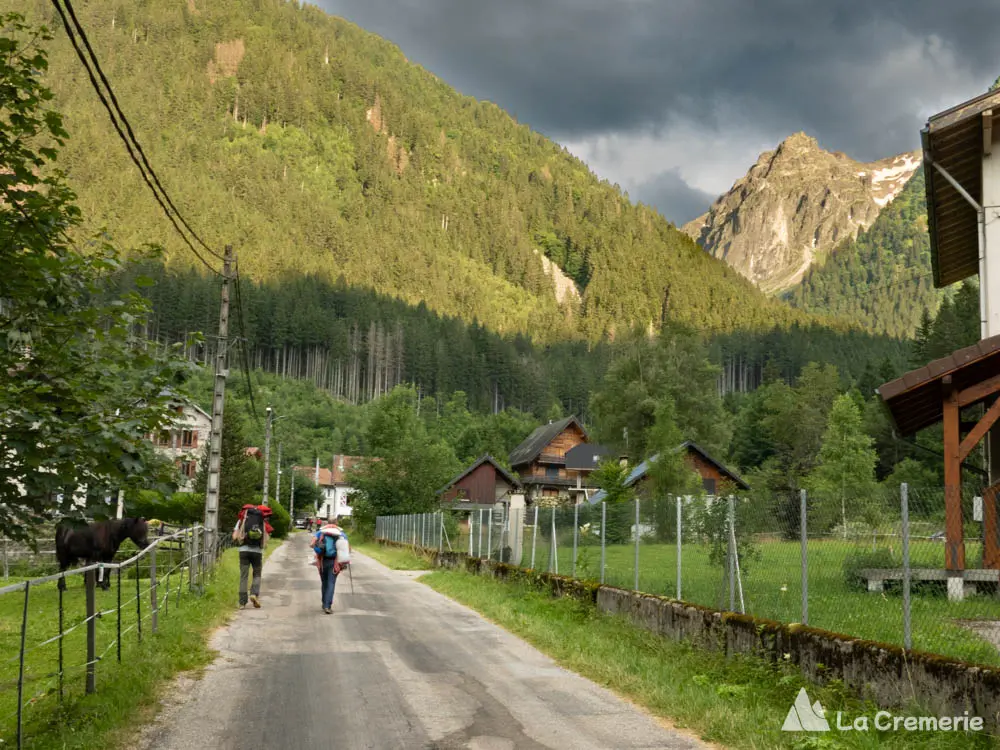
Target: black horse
(97, 542)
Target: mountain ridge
(794, 206)
(315, 147)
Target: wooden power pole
(218, 403)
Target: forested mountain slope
(315, 147)
(882, 278)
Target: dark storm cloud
(671, 196)
(859, 74)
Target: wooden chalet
(716, 477)
(556, 460)
(963, 190)
(482, 485)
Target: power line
(129, 145)
(240, 322)
(128, 127)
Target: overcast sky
(674, 99)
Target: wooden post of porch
(954, 555)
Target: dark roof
(586, 456)
(484, 459)
(954, 140)
(915, 400)
(642, 469)
(533, 445)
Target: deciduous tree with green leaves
(406, 466)
(79, 391)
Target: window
(189, 439)
(188, 468)
(163, 439)
(552, 472)
(708, 484)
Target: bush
(280, 520)
(180, 509)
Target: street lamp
(269, 421)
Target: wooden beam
(988, 132)
(991, 533)
(954, 555)
(979, 431)
(979, 391)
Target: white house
(333, 484)
(185, 441)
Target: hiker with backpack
(333, 554)
(252, 532)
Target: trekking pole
(350, 574)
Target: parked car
(300, 523)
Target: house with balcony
(555, 462)
(184, 441)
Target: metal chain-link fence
(866, 564)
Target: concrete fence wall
(887, 675)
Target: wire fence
(54, 635)
(870, 565)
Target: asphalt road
(396, 666)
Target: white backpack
(343, 550)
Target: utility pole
(277, 487)
(267, 453)
(218, 402)
(315, 506)
(291, 501)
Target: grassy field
(772, 587)
(737, 702)
(123, 690)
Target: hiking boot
(327, 610)
(255, 601)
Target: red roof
(337, 476)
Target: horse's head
(137, 530)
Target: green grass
(397, 558)
(126, 691)
(772, 587)
(739, 702)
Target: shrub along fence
(63, 635)
(870, 566)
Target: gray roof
(533, 445)
(586, 456)
(642, 469)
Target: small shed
(938, 393)
(483, 484)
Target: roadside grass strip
(737, 702)
(397, 558)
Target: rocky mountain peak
(794, 204)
